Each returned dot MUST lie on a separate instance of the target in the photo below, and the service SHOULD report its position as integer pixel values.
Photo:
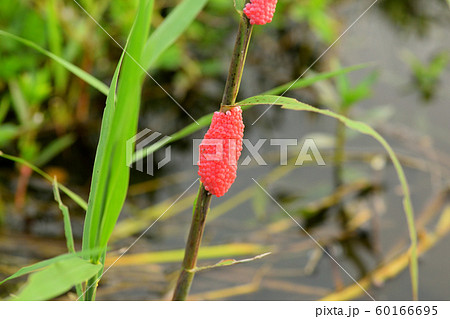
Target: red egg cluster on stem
(260, 11)
(217, 177)
(220, 151)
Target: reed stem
(203, 200)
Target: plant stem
(339, 152)
(201, 207)
(203, 200)
(237, 63)
(339, 156)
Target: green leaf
(205, 120)
(111, 173)
(170, 30)
(4, 108)
(292, 104)
(57, 279)
(19, 103)
(8, 132)
(66, 218)
(54, 30)
(350, 96)
(94, 82)
(45, 263)
(67, 228)
(53, 149)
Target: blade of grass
(55, 43)
(19, 103)
(111, 173)
(101, 165)
(94, 82)
(292, 104)
(110, 176)
(53, 149)
(4, 108)
(171, 256)
(67, 227)
(57, 279)
(231, 262)
(173, 26)
(45, 263)
(66, 218)
(8, 132)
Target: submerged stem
(203, 200)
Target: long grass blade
(67, 227)
(111, 174)
(57, 279)
(45, 263)
(94, 82)
(170, 30)
(292, 104)
(66, 218)
(206, 252)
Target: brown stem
(201, 207)
(203, 200)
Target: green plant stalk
(237, 63)
(203, 200)
(338, 170)
(339, 153)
